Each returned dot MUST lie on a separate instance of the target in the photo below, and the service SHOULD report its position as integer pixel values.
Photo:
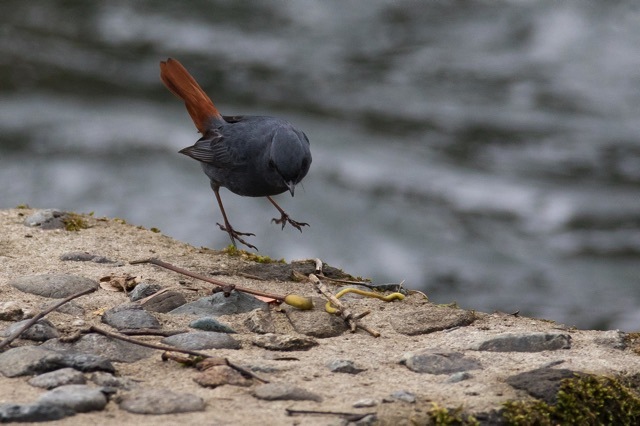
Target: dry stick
(172, 349)
(352, 417)
(222, 284)
(345, 313)
(41, 315)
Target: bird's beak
(292, 186)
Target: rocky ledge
(104, 357)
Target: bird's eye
(272, 164)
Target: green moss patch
(583, 400)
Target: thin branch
(174, 349)
(218, 283)
(341, 309)
(41, 315)
(351, 417)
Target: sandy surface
(28, 251)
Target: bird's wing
(212, 149)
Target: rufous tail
(183, 85)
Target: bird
(251, 156)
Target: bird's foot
(284, 219)
(236, 235)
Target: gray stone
(541, 383)
(364, 403)
(284, 342)
(31, 413)
(108, 380)
(55, 286)
(198, 340)
(221, 375)
(405, 396)
(218, 304)
(10, 311)
(612, 338)
(79, 398)
(316, 322)
(435, 362)
(211, 324)
(41, 331)
(142, 290)
(284, 391)
(165, 301)
(429, 319)
(344, 366)
(458, 377)
(69, 308)
(29, 360)
(83, 256)
(46, 219)
(160, 401)
(130, 316)
(97, 344)
(54, 379)
(259, 321)
(526, 342)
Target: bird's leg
(233, 234)
(284, 217)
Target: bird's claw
(235, 235)
(284, 219)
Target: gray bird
(253, 156)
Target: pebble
(144, 289)
(344, 366)
(541, 383)
(108, 380)
(97, 344)
(221, 375)
(83, 256)
(526, 342)
(459, 377)
(211, 324)
(405, 396)
(165, 301)
(40, 331)
(613, 338)
(364, 403)
(30, 360)
(30, 413)
(259, 321)
(284, 342)
(199, 340)
(69, 308)
(284, 391)
(315, 322)
(54, 379)
(130, 316)
(55, 286)
(430, 318)
(78, 398)
(218, 304)
(438, 362)
(10, 311)
(46, 219)
(160, 401)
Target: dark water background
(486, 152)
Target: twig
(173, 349)
(150, 332)
(41, 315)
(351, 417)
(222, 284)
(341, 309)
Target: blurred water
(485, 152)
